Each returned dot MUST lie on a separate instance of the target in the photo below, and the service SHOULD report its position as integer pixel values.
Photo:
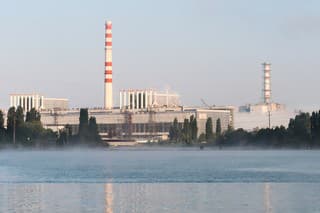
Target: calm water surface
(167, 180)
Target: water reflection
(159, 197)
(267, 198)
(108, 198)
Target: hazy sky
(210, 49)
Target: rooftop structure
(145, 99)
(37, 101)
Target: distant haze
(210, 49)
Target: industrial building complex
(147, 114)
(142, 114)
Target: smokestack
(108, 66)
(266, 83)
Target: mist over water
(159, 180)
(163, 165)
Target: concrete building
(151, 125)
(39, 102)
(55, 104)
(266, 113)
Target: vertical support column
(143, 96)
(134, 100)
(139, 100)
(146, 92)
(125, 99)
(14, 101)
(120, 100)
(30, 104)
(33, 102)
(41, 103)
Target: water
(166, 180)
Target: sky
(201, 49)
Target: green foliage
(300, 126)
(29, 132)
(218, 127)
(19, 117)
(33, 115)
(93, 130)
(11, 121)
(186, 131)
(299, 133)
(209, 130)
(175, 131)
(1, 120)
(194, 128)
(202, 137)
(2, 129)
(83, 125)
(315, 128)
(88, 128)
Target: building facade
(152, 124)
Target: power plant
(147, 114)
(142, 114)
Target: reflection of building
(39, 102)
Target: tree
(19, 118)
(194, 128)
(2, 129)
(33, 115)
(202, 137)
(83, 124)
(186, 133)
(93, 130)
(209, 131)
(175, 131)
(11, 117)
(300, 128)
(218, 127)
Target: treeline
(188, 132)
(88, 133)
(26, 129)
(303, 131)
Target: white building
(39, 102)
(147, 98)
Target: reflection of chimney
(108, 66)
(108, 198)
(266, 83)
(267, 198)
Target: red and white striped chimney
(108, 67)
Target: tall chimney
(266, 83)
(108, 67)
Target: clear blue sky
(210, 49)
